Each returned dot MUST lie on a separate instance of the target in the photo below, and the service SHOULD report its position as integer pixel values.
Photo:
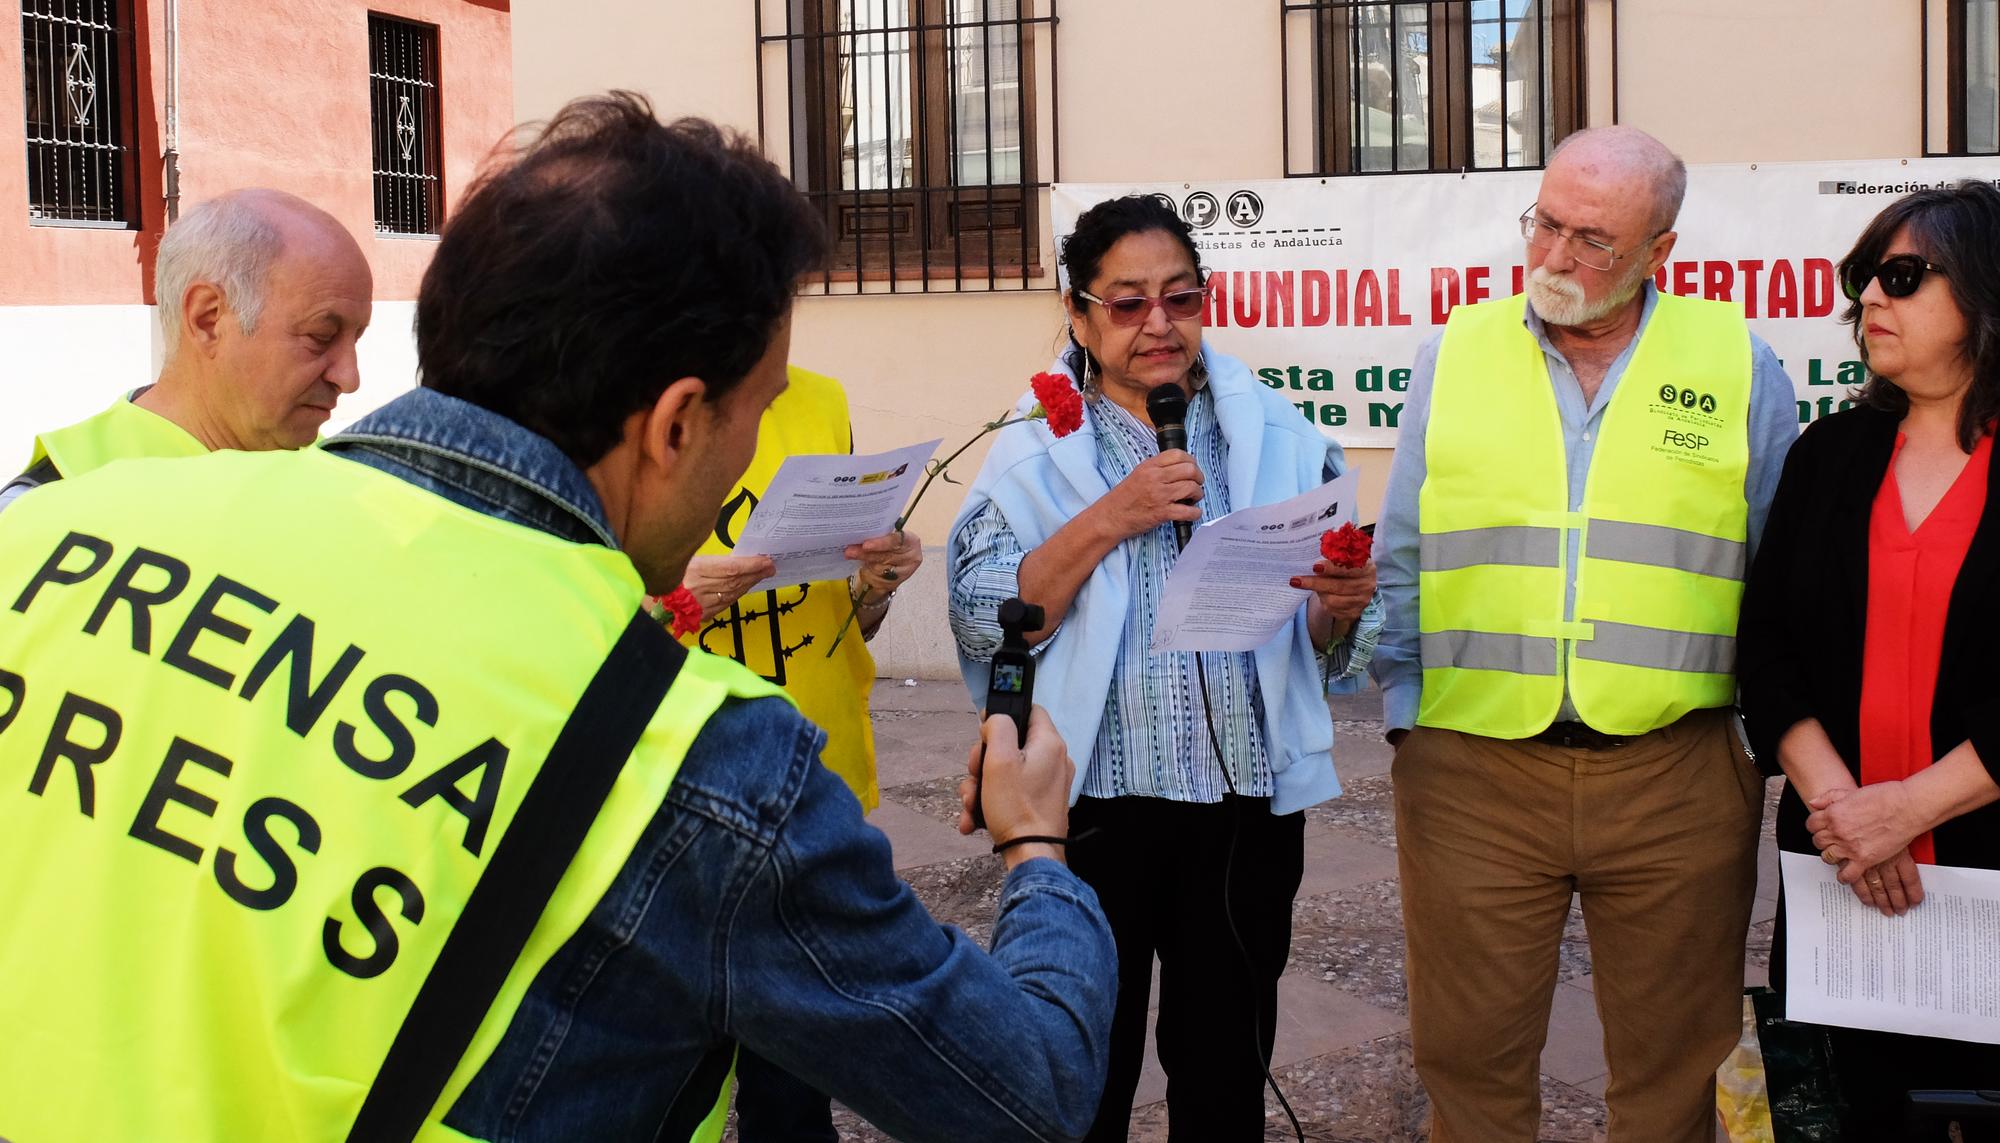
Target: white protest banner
(1326, 287)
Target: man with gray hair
(1582, 476)
(262, 297)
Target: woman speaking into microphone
(1193, 769)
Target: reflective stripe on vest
(1660, 650)
(121, 432)
(1488, 651)
(271, 715)
(1662, 528)
(1665, 547)
(1469, 547)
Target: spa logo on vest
(1688, 423)
(1688, 410)
(1687, 399)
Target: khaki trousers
(1658, 836)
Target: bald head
(232, 241)
(263, 297)
(1627, 156)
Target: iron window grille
(1970, 76)
(77, 72)
(1437, 85)
(403, 115)
(915, 127)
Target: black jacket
(1799, 649)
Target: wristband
(1028, 840)
(858, 592)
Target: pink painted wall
(271, 95)
(49, 265)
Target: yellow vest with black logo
(264, 719)
(1663, 528)
(783, 634)
(120, 432)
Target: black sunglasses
(1900, 276)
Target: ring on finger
(1827, 856)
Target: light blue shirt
(1774, 425)
(1032, 484)
(1153, 740)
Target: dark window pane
(403, 117)
(1436, 84)
(76, 79)
(914, 128)
(1982, 77)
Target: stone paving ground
(1343, 1047)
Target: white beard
(1559, 298)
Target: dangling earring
(1085, 375)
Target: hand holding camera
(1018, 777)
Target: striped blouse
(1153, 740)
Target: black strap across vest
(543, 838)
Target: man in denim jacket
(603, 323)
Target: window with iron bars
(1441, 85)
(403, 115)
(914, 127)
(1970, 75)
(76, 58)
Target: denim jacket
(760, 909)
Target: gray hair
(229, 242)
(1634, 151)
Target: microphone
(1167, 406)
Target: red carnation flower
(1346, 546)
(1060, 403)
(1056, 402)
(681, 611)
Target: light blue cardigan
(1040, 483)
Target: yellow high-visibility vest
(120, 432)
(1664, 526)
(265, 718)
(783, 634)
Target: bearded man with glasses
(1582, 478)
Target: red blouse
(1910, 577)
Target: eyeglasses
(1134, 309)
(1587, 251)
(1900, 276)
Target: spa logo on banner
(1329, 288)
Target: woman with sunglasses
(1868, 648)
(1193, 769)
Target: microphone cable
(1229, 914)
(1166, 407)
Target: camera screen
(1007, 678)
